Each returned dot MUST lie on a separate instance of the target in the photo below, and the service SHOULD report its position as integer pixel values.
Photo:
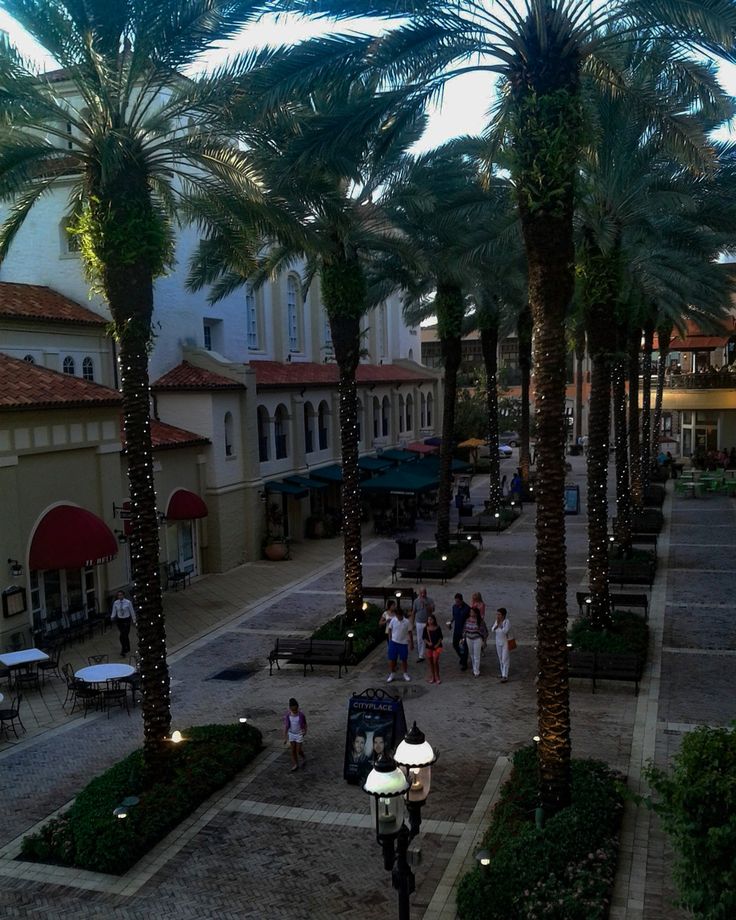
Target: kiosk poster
(376, 723)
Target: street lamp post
(397, 786)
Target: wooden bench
(631, 572)
(641, 539)
(597, 666)
(419, 569)
(309, 652)
(618, 601)
(387, 593)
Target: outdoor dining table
(100, 673)
(23, 657)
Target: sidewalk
(293, 846)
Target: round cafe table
(99, 673)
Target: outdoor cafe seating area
(693, 483)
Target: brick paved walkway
(282, 846)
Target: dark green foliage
(628, 633)
(458, 557)
(697, 806)
(564, 871)
(367, 633)
(88, 836)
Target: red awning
(698, 343)
(69, 537)
(185, 506)
(419, 448)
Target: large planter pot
(276, 551)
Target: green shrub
(629, 633)
(88, 836)
(458, 558)
(565, 870)
(367, 633)
(697, 806)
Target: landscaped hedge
(629, 633)
(458, 558)
(696, 801)
(564, 871)
(89, 836)
(367, 634)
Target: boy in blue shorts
(400, 640)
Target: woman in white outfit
(501, 629)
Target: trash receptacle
(407, 548)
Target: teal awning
(401, 480)
(431, 465)
(287, 488)
(306, 482)
(373, 464)
(329, 473)
(398, 456)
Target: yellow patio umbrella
(473, 443)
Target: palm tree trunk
(623, 494)
(342, 285)
(579, 358)
(646, 405)
(449, 310)
(489, 347)
(599, 423)
(664, 336)
(129, 293)
(637, 492)
(524, 330)
(550, 253)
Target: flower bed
(367, 634)
(564, 871)
(629, 633)
(88, 836)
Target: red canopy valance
(69, 537)
(185, 506)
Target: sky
(463, 109)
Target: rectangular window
(251, 311)
(207, 336)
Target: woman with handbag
(475, 634)
(502, 631)
(432, 636)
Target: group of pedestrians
(421, 628)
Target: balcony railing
(709, 380)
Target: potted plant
(275, 546)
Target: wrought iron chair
(8, 717)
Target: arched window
(229, 443)
(322, 415)
(263, 432)
(376, 418)
(410, 355)
(422, 411)
(293, 302)
(280, 422)
(409, 412)
(430, 407)
(251, 313)
(385, 416)
(401, 414)
(88, 369)
(68, 365)
(29, 359)
(308, 427)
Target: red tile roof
(32, 301)
(166, 437)
(276, 374)
(27, 386)
(186, 376)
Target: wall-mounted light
(16, 569)
(122, 537)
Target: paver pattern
(282, 846)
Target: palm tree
(110, 133)
(540, 48)
(326, 210)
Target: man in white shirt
(400, 639)
(123, 614)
